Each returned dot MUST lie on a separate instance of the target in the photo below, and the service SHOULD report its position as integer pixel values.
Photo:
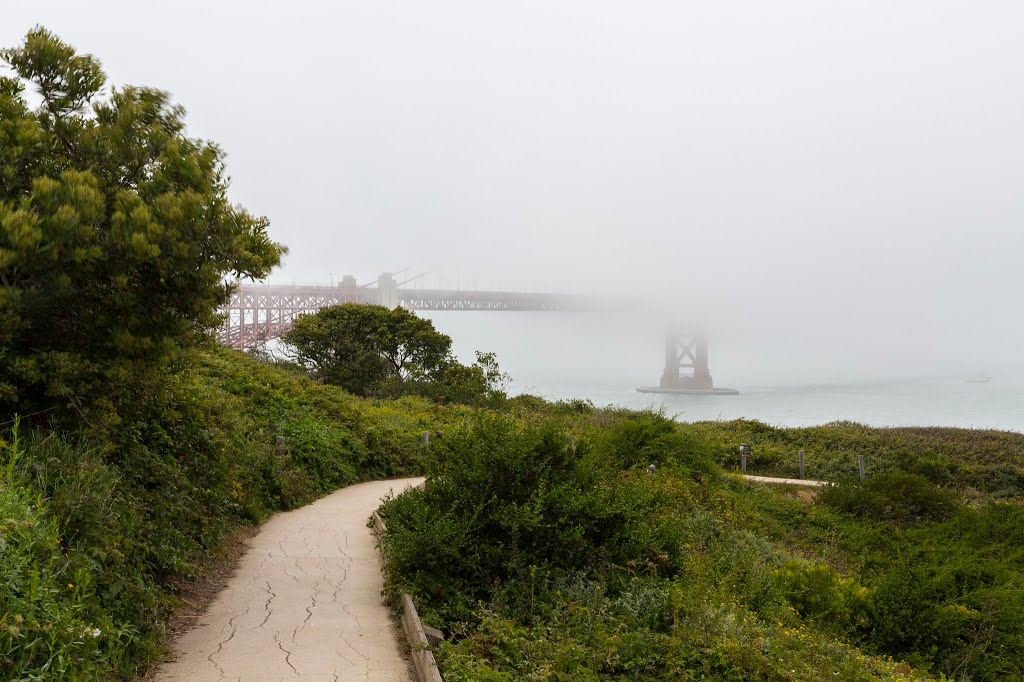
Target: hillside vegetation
(547, 551)
(977, 462)
(98, 527)
(542, 545)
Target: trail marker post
(860, 461)
(425, 437)
(279, 445)
(744, 456)
(801, 464)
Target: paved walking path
(787, 481)
(305, 603)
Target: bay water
(565, 357)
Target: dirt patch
(195, 596)
(805, 494)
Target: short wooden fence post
(860, 461)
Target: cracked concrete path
(305, 603)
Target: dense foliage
(895, 497)
(359, 347)
(974, 461)
(94, 539)
(131, 463)
(116, 233)
(548, 551)
(371, 350)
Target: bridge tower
(686, 362)
(387, 289)
(686, 368)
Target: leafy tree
(359, 347)
(481, 383)
(373, 350)
(117, 240)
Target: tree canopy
(359, 347)
(117, 239)
(373, 350)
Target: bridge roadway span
(258, 313)
(305, 603)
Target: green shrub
(329, 454)
(647, 604)
(893, 497)
(494, 479)
(953, 598)
(524, 402)
(640, 439)
(820, 593)
(575, 406)
(514, 503)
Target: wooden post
(743, 464)
(425, 437)
(801, 464)
(860, 459)
(279, 445)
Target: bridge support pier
(686, 368)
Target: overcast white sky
(845, 172)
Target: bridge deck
(258, 313)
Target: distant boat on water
(978, 380)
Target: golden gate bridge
(258, 313)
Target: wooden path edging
(422, 657)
